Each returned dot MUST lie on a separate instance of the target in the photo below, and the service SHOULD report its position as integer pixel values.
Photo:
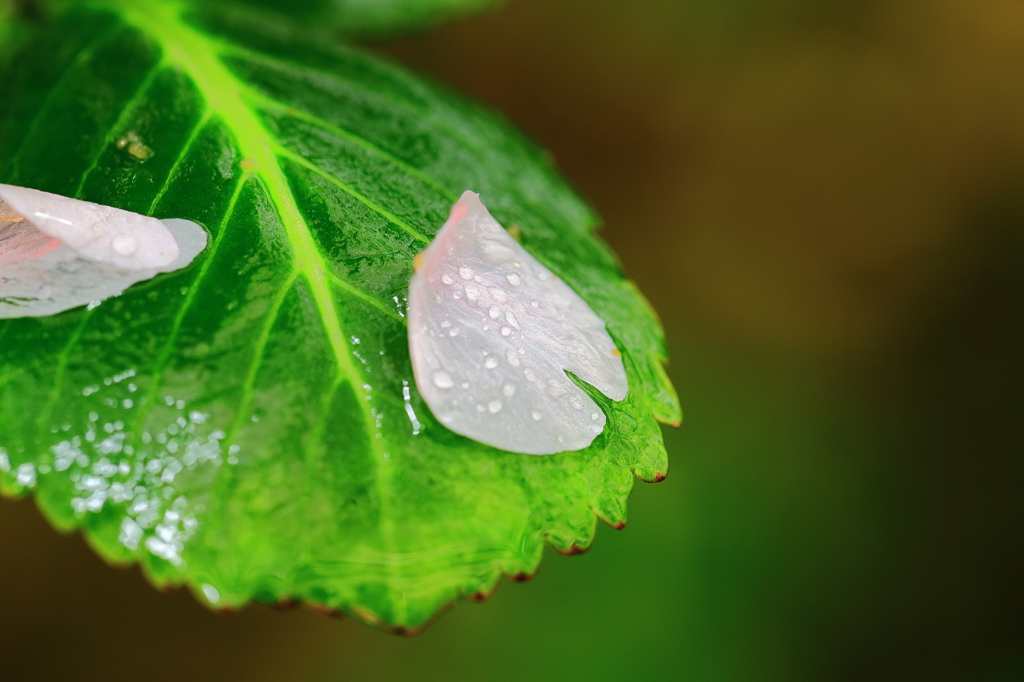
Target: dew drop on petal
(123, 244)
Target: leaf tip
(573, 550)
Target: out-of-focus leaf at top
(249, 426)
(373, 18)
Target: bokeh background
(825, 202)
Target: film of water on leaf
(491, 334)
(58, 253)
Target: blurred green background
(825, 202)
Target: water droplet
(491, 362)
(509, 389)
(447, 279)
(512, 358)
(457, 293)
(505, 331)
(557, 388)
(210, 592)
(445, 324)
(536, 415)
(494, 251)
(409, 411)
(499, 295)
(466, 272)
(443, 379)
(534, 304)
(576, 402)
(595, 416)
(472, 293)
(529, 374)
(494, 406)
(513, 279)
(494, 312)
(454, 332)
(512, 319)
(123, 245)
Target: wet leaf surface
(249, 426)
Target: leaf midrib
(195, 55)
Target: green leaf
(242, 426)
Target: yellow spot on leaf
(135, 146)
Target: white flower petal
(505, 382)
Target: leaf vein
(160, 366)
(62, 365)
(173, 173)
(347, 189)
(425, 113)
(301, 114)
(249, 385)
(359, 293)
